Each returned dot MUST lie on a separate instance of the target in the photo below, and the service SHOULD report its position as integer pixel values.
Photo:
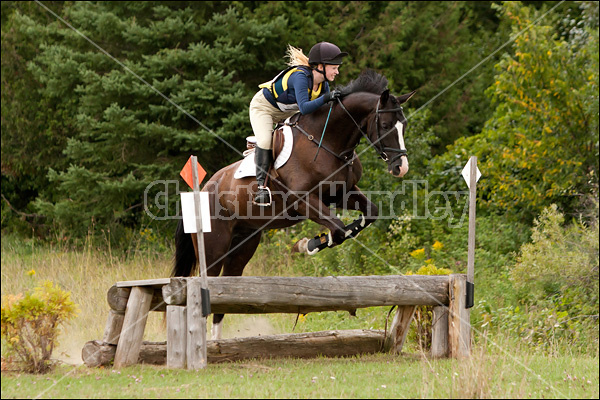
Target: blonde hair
(296, 56)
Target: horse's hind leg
(243, 246)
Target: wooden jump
(130, 302)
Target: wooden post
(132, 334)
(175, 292)
(459, 325)
(439, 332)
(200, 361)
(471, 244)
(196, 327)
(114, 325)
(200, 234)
(472, 212)
(176, 337)
(399, 328)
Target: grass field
(376, 376)
(498, 368)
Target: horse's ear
(405, 97)
(385, 96)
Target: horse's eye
(385, 125)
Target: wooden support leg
(114, 325)
(176, 336)
(439, 332)
(196, 327)
(399, 328)
(132, 334)
(459, 322)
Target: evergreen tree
(34, 127)
(172, 86)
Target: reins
(347, 156)
(323, 134)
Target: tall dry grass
(88, 273)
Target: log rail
(130, 301)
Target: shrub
(560, 261)
(30, 325)
(556, 282)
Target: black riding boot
(263, 159)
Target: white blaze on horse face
(404, 167)
(400, 129)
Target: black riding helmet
(326, 53)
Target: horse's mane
(368, 81)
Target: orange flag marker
(186, 173)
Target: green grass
(375, 376)
(500, 366)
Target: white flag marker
(466, 173)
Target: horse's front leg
(356, 200)
(312, 207)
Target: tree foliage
(92, 116)
(541, 144)
(172, 86)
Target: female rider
(303, 87)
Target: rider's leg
(263, 159)
(263, 117)
(262, 120)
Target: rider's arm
(298, 83)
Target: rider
(303, 87)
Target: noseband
(379, 147)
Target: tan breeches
(263, 117)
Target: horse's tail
(185, 255)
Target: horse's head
(384, 122)
(387, 132)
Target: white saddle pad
(248, 168)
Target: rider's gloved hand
(332, 95)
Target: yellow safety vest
(279, 84)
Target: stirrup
(257, 194)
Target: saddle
(279, 137)
(283, 143)
(278, 142)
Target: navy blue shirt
(297, 93)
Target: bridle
(347, 156)
(378, 144)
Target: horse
(323, 169)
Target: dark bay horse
(306, 186)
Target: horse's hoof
(301, 246)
